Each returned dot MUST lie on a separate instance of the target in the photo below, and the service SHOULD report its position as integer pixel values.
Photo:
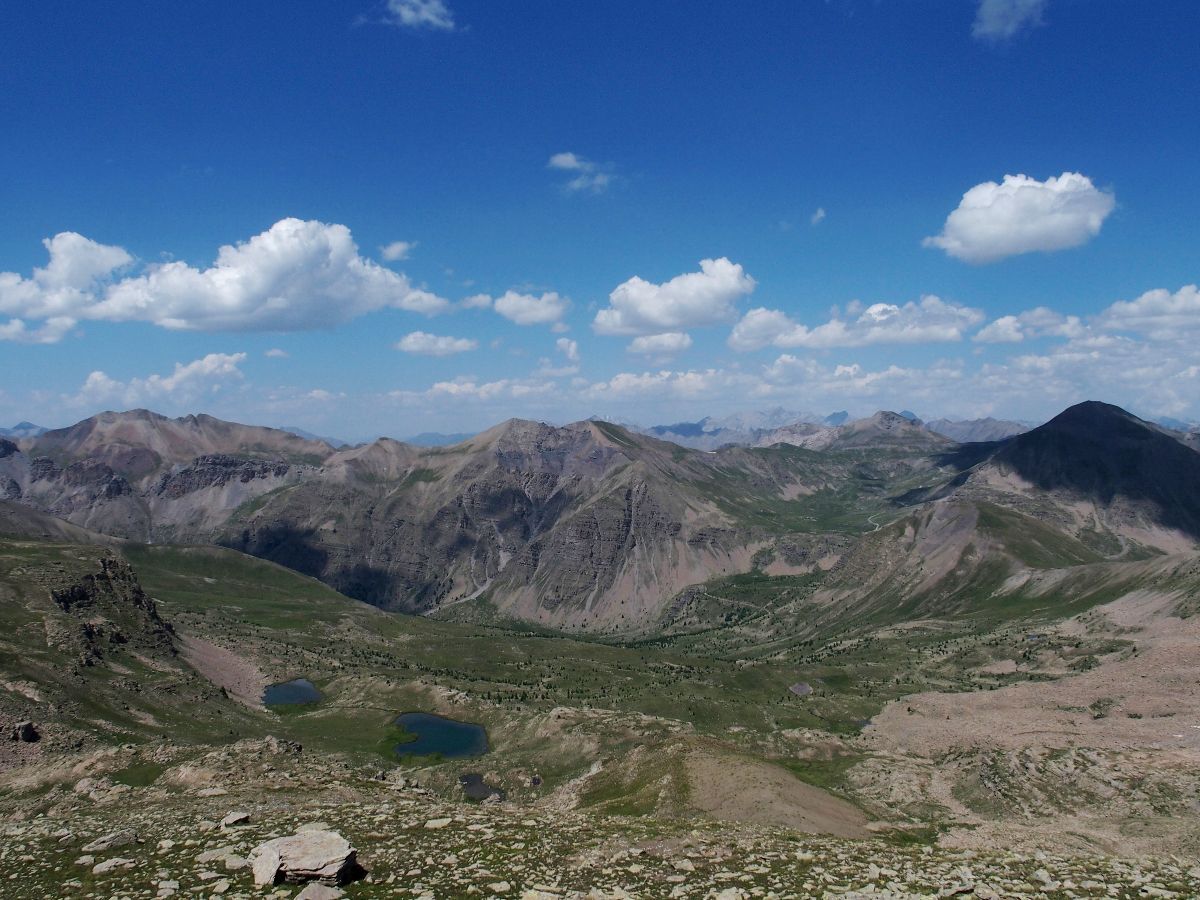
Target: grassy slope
(728, 684)
(128, 694)
(296, 626)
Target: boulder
(234, 819)
(318, 891)
(112, 865)
(122, 838)
(26, 733)
(323, 856)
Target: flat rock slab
(323, 856)
(318, 891)
(122, 838)
(112, 865)
(235, 819)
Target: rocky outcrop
(42, 468)
(216, 470)
(123, 837)
(102, 481)
(86, 492)
(323, 856)
(112, 610)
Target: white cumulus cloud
(530, 309)
(468, 388)
(1034, 323)
(187, 382)
(568, 348)
(707, 297)
(294, 276)
(588, 176)
(1023, 215)
(928, 320)
(432, 14)
(49, 332)
(397, 250)
(999, 20)
(1004, 330)
(1158, 314)
(78, 270)
(435, 345)
(666, 344)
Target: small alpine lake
(296, 692)
(437, 735)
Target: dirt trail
(239, 676)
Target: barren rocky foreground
(88, 837)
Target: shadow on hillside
(299, 549)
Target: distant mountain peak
(972, 431)
(22, 430)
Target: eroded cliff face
(85, 492)
(557, 525)
(216, 470)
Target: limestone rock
(318, 891)
(235, 819)
(323, 856)
(122, 838)
(112, 865)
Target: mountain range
(591, 526)
(865, 630)
(743, 428)
(765, 427)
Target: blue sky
(441, 213)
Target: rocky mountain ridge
(970, 431)
(587, 526)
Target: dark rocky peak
(1102, 452)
